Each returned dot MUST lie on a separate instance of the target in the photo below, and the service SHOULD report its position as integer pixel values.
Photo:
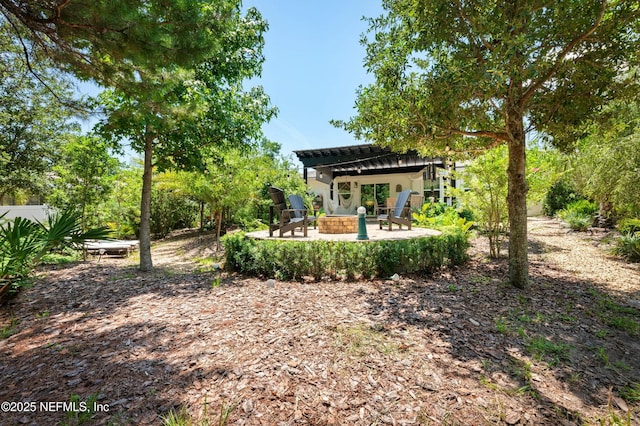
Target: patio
(373, 231)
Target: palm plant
(23, 242)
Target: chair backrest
(297, 203)
(403, 197)
(277, 196)
(416, 201)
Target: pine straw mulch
(456, 347)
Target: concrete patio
(373, 231)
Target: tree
(465, 75)
(111, 41)
(606, 165)
(175, 116)
(84, 176)
(485, 193)
(235, 181)
(33, 124)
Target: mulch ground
(455, 347)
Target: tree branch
(498, 136)
(464, 16)
(556, 66)
(27, 59)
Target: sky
(313, 66)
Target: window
(373, 196)
(432, 189)
(344, 190)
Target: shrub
(629, 226)
(448, 220)
(628, 246)
(579, 214)
(290, 260)
(558, 197)
(23, 243)
(432, 209)
(170, 211)
(577, 221)
(583, 207)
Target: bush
(628, 246)
(577, 221)
(559, 196)
(629, 226)
(579, 214)
(291, 260)
(170, 211)
(432, 209)
(583, 207)
(23, 243)
(447, 219)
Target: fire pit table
(338, 224)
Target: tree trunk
(201, 216)
(146, 263)
(517, 202)
(219, 230)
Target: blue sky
(314, 63)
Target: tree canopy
(466, 75)
(112, 41)
(177, 115)
(33, 123)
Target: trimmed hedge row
(291, 260)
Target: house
(347, 177)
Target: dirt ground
(455, 347)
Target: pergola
(362, 160)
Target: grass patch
(9, 329)
(183, 418)
(615, 315)
(216, 282)
(544, 349)
(631, 393)
(43, 314)
(361, 339)
(502, 326)
(84, 410)
(61, 258)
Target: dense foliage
(288, 260)
(24, 242)
(111, 41)
(83, 177)
(33, 122)
(605, 166)
(462, 76)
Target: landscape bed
(291, 260)
(458, 346)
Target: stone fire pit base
(347, 224)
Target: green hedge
(291, 260)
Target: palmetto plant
(23, 242)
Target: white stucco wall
(397, 183)
(39, 212)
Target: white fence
(39, 213)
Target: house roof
(362, 159)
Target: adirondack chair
(299, 209)
(285, 217)
(400, 213)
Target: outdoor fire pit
(338, 224)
